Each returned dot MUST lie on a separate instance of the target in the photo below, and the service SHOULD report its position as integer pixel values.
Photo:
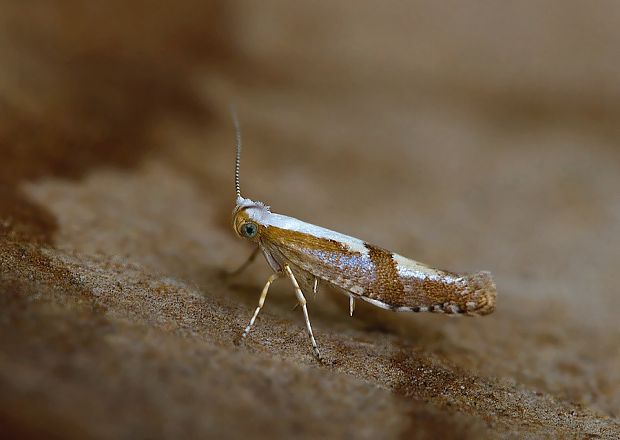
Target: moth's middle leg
(302, 302)
(261, 301)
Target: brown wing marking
(386, 285)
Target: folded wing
(378, 276)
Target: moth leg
(351, 305)
(261, 302)
(245, 265)
(315, 287)
(302, 303)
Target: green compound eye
(249, 230)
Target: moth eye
(249, 230)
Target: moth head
(248, 214)
(247, 218)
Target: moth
(307, 254)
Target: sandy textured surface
(468, 138)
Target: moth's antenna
(233, 113)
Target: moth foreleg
(247, 262)
(261, 302)
(302, 303)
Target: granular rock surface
(467, 138)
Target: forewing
(384, 279)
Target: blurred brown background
(469, 135)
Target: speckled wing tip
(483, 289)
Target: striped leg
(261, 302)
(302, 303)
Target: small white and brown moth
(307, 254)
